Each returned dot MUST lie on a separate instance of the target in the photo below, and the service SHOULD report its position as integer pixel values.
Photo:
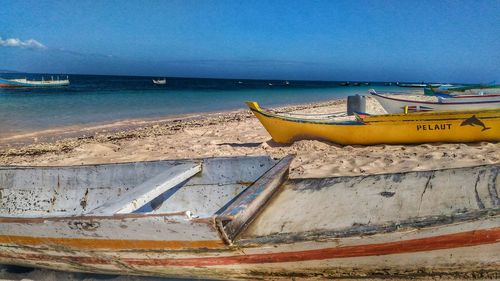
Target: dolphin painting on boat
(473, 121)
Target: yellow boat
(420, 127)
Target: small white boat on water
(160, 81)
(24, 82)
(393, 104)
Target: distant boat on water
(160, 81)
(344, 83)
(24, 82)
(412, 85)
(423, 84)
(439, 85)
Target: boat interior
(201, 187)
(252, 199)
(321, 208)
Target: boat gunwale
(10, 167)
(495, 165)
(440, 112)
(385, 118)
(93, 217)
(312, 121)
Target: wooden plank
(248, 204)
(150, 189)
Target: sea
(97, 99)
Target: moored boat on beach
(463, 126)
(242, 217)
(393, 104)
(24, 82)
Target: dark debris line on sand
(159, 128)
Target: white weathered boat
(160, 81)
(242, 217)
(17, 83)
(395, 105)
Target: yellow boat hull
(464, 126)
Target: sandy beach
(227, 134)
(240, 133)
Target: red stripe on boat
(466, 239)
(449, 241)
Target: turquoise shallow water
(100, 99)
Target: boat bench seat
(138, 196)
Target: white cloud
(27, 44)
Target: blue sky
(455, 41)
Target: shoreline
(29, 136)
(136, 127)
(120, 125)
(239, 133)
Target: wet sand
(240, 133)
